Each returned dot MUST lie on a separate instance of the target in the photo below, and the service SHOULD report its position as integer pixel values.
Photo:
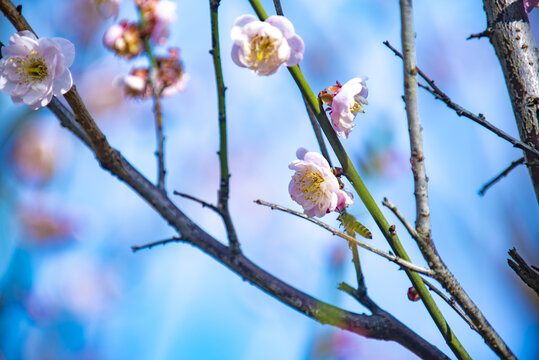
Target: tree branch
(397, 260)
(512, 38)
(526, 273)
(479, 119)
(224, 184)
(513, 165)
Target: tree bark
(509, 31)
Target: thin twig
(393, 258)
(401, 218)
(451, 303)
(158, 115)
(479, 119)
(224, 184)
(201, 202)
(155, 243)
(513, 165)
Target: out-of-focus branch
(158, 114)
(511, 36)
(524, 271)
(224, 185)
(513, 165)
(479, 119)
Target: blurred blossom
(529, 5)
(345, 103)
(170, 78)
(264, 46)
(107, 8)
(79, 283)
(43, 226)
(314, 186)
(34, 156)
(124, 39)
(32, 70)
(158, 16)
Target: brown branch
(201, 202)
(401, 218)
(479, 119)
(155, 243)
(526, 273)
(451, 303)
(512, 38)
(513, 165)
(373, 326)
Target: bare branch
(393, 258)
(401, 218)
(513, 165)
(479, 119)
(155, 243)
(201, 202)
(451, 303)
(524, 271)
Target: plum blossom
(170, 78)
(529, 5)
(33, 70)
(164, 15)
(124, 39)
(108, 8)
(264, 46)
(314, 186)
(345, 103)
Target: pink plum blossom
(314, 186)
(346, 102)
(165, 15)
(529, 5)
(124, 39)
(33, 70)
(264, 46)
(108, 8)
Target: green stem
(156, 94)
(354, 178)
(224, 187)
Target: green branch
(352, 175)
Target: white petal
(281, 23)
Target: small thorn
(19, 9)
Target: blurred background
(70, 286)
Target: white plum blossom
(108, 8)
(263, 46)
(165, 15)
(314, 186)
(347, 102)
(32, 70)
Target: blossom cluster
(126, 39)
(263, 46)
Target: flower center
(31, 68)
(309, 184)
(356, 108)
(262, 49)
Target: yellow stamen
(31, 68)
(262, 49)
